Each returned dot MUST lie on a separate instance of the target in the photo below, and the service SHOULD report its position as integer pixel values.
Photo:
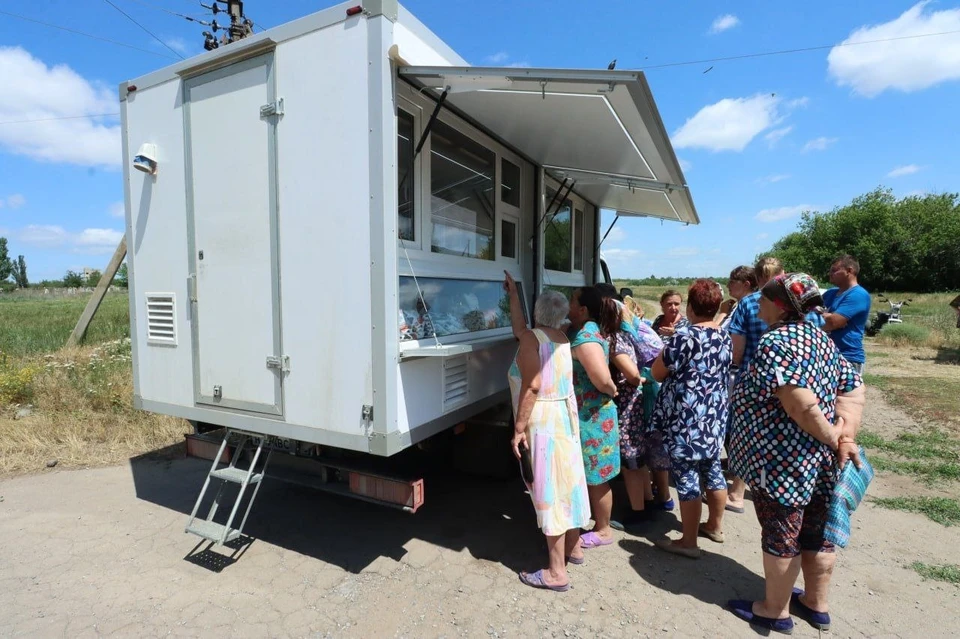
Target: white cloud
(683, 251)
(15, 201)
(782, 213)
(43, 236)
(731, 123)
(684, 165)
(501, 59)
(89, 241)
(724, 22)
(777, 134)
(905, 64)
(818, 144)
(617, 234)
(900, 171)
(773, 179)
(117, 210)
(619, 255)
(762, 236)
(98, 238)
(34, 91)
(178, 44)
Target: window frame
(416, 110)
(408, 98)
(575, 277)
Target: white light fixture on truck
(146, 159)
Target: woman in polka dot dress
(796, 411)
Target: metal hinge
(280, 363)
(274, 108)
(366, 413)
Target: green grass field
(927, 321)
(30, 325)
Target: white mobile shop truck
(318, 224)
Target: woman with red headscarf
(796, 411)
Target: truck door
(230, 135)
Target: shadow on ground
(492, 519)
(713, 579)
(947, 355)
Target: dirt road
(102, 553)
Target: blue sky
(761, 138)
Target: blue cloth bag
(847, 495)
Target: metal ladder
(223, 533)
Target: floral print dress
(639, 446)
(692, 406)
(599, 432)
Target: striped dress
(559, 489)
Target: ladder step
(211, 530)
(236, 475)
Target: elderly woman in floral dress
(547, 427)
(797, 408)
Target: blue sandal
(819, 620)
(744, 609)
(535, 579)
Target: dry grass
(82, 412)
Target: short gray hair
(551, 309)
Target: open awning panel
(600, 128)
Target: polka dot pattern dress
(768, 450)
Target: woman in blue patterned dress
(796, 411)
(691, 413)
(592, 321)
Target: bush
(16, 385)
(905, 335)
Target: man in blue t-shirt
(848, 307)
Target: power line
(164, 9)
(800, 50)
(64, 117)
(150, 33)
(88, 35)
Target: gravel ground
(102, 553)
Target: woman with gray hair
(547, 433)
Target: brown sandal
(716, 537)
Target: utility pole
(240, 25)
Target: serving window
(436, 307)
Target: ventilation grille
(161, 319)
(455, 390)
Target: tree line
(13, 274)
(902, 244)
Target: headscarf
(646, 342)
(796, 294)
